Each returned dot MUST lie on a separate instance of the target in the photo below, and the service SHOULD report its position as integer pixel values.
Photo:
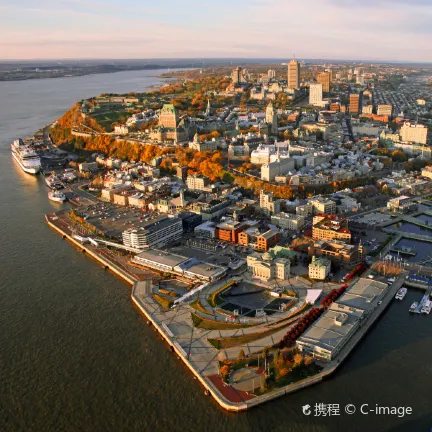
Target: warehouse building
(329, 334)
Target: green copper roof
(169, 107)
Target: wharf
(246, 400)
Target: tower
(324, 79)
(271, 118)
(208, 109)
(315, 94)
(294, 74)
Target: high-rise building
(416, 133)
(356, 101)
(268, 203)
(324, 79)
(271, 118)
(315, 94)
(168, 116)
(294, 74)
(237, 75)
(271, 73)
(385, 109)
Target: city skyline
(375, 31)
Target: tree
(241, 355)
(224, 371)
(298, 359)
(265, 352)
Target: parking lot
(373, 219)
(114, 219)
(219, 256)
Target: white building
(288, 221)
(197, 182)
(267, 267)
(323, 205)
(315, 94)
(270, 171)
(268, 203)
(385, 109)
(416, 133)
(157, 233)
(319, 268)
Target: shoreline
(97, 73)
(209, 386)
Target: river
(76, 355)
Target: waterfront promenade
(191, 344)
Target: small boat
(413, 307)
(57, 196)
(53, 182)
(401, 294)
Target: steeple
(208, 109)
(197, 138)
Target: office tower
(294, 74)
(356, 101)
(324, 79)
(271, 118)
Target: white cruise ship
(26, 157)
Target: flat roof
(325, 333)
(162, 257)
(363, 294)
(204, 269)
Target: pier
(192, 353)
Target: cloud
(368, 29)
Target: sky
(388, 30)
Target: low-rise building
(331, 227)
(206, 230)
(267, 267)
(329, 334)
(157, 232)
(261, 241)
(402, 204)
(319, 268)
(323, 205)
(197, 182)
(339, 253)
(288, 221)
(268, 203)
(190, 268)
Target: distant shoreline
(32, 75)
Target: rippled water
(76, 355)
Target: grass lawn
(164, 302)
(216, 325)
(198, 306)
(296, 374)
(230, 342)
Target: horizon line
(282, 59)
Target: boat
(401, 294)
(426, 309)
(26, 156)
(57, 196)
(413, 307)
(53, 182)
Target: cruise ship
(57, 196)
(26, 157)
(401, 294)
